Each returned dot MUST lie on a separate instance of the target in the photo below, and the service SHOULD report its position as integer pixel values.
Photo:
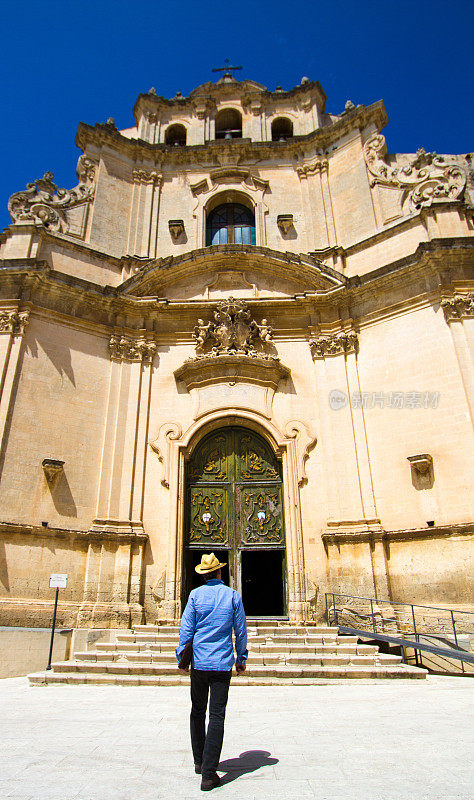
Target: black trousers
(207, 747)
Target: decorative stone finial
(349, 105)
(152, 90)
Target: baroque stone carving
(14, 321)
(458, 306)
(426, 178)
(320, 165)
(43, 203)
(232, 331)
(305, 441)
(125, 348)
(333, 344)
(176, 227)
(146, 176)
(52, 468)
(169, 432)
(285, 222)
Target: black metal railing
(440, 637)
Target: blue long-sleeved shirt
(211, 612)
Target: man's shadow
(247, 762)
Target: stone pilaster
(143, 226)
(13, 323)
(459, 314)
(353, 524)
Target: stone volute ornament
(426, 178)
(43, 203)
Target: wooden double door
(234, 509)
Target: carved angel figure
(202, 333)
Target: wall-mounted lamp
(176, 227)
(285, 222)
(51, 468)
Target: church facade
(249, 329)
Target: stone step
(307, 659)
(130, 638)
(255, 666)
(322, 675)
(140, 653)
(169, 647)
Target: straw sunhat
(209, 563)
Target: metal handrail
(418, 646)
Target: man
(212, 611)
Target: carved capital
(146, 176)
(334, 344)
(43, 203)
(458, 306)
(426, 178)
(320, 165)
(14, 322)
(126, 348)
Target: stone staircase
(279, 653)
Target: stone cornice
(19, 529)
(405, 534)
(103, 134)
(448, 262)
(214, 369)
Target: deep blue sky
(63, 62)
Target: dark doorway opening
(262, 583)
(192, 559)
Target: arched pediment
(222, 270)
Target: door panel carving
(208, 517)
(259, 515)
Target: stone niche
(231, 368)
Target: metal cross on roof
(227, 68)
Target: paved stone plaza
(403, 740)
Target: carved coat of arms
(232, 331)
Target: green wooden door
(234, 497)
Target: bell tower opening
(234, 509)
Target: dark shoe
(210, 783)
(197, 769)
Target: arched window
(282, 129)
(229, 124)
(230, 223)
(175, 135)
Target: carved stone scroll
(43, 203)
(425, 179)
(168, 432)
(305, 441)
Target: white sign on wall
(57, 581)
